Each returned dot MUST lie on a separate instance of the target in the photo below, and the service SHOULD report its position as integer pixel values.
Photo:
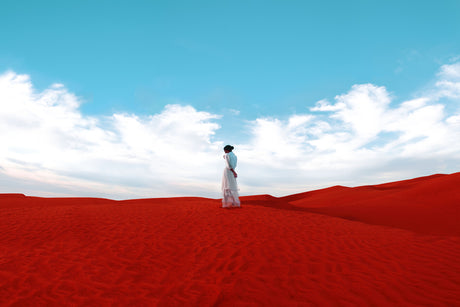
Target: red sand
(395, 244)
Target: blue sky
(239, 72)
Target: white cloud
(359, 110)
(46, 138)
(448, 83)
(450, 71)
(50, 148)
(362, 140)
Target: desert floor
(395, 244)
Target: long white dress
(229, 185)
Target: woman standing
(229, 185)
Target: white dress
(229, 185)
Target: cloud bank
(47, 140)
(49, 147)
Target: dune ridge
(391, 244)
(429, 205)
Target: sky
(136, 99)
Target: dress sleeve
(231, 161)
(228, 161)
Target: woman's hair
(229, 147)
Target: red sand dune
(395, 244)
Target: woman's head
(228, 148)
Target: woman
(229, 186)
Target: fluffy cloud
(363, 136)
(46, 139)
(448, 83)
(358, 139)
